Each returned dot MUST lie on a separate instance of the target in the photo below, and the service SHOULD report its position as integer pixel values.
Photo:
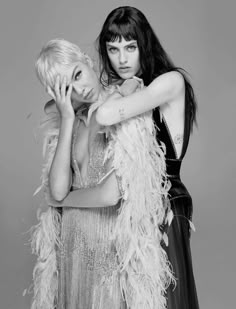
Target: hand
(130, 86)
(62, 98)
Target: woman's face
(124, 57)
(85, 83)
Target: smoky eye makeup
(132, 47)
(111, 49)
(77, 74)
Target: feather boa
(139, 162)
(46, 234)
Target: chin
(126, 76)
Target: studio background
(199, 36)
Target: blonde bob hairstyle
(58, 53)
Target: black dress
(184, 295)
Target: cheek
(73, 95)
(113, 61)
(136, 61)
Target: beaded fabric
(87, 257)
(77, 264)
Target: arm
(166, 88)
(60, 171)
(104, 194)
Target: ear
(88, 60)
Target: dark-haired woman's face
(124, 57)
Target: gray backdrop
(199, 36)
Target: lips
(88, 94)
(124, 69)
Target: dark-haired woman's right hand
(62, 97)
(130, 86)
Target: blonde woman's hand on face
(62, 96)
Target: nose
(79, 90)
(122, 57)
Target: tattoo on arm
(122, 113)
(178, 139)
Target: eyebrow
(114, 43)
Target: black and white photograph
(117, 154)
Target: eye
(112, 50)
(77, 75)
(131, 48)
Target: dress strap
(173, 167)
(163, 133)
(187, 126)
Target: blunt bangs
(117, 31)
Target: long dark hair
(130, 23)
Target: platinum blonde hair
(55, 53)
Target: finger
(140, 80)
(137, 78)
(69, 91)
(57, 87)
(63, 88)
(51, 93)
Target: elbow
(115, 200)
(111, 199)
(59, 189)
(58, 194)
(178, 83)
(103, 116)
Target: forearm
(60, 172)
(103, 195)
(117, 108)
(164, 89)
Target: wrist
(68, 118)
(67, 123)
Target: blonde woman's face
(85, 83)
(124, 57)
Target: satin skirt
(183, 295)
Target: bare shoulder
(172, 83)
(175, 102)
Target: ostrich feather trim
(139, 162)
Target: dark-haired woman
(129, 47)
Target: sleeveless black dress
(184, 295)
